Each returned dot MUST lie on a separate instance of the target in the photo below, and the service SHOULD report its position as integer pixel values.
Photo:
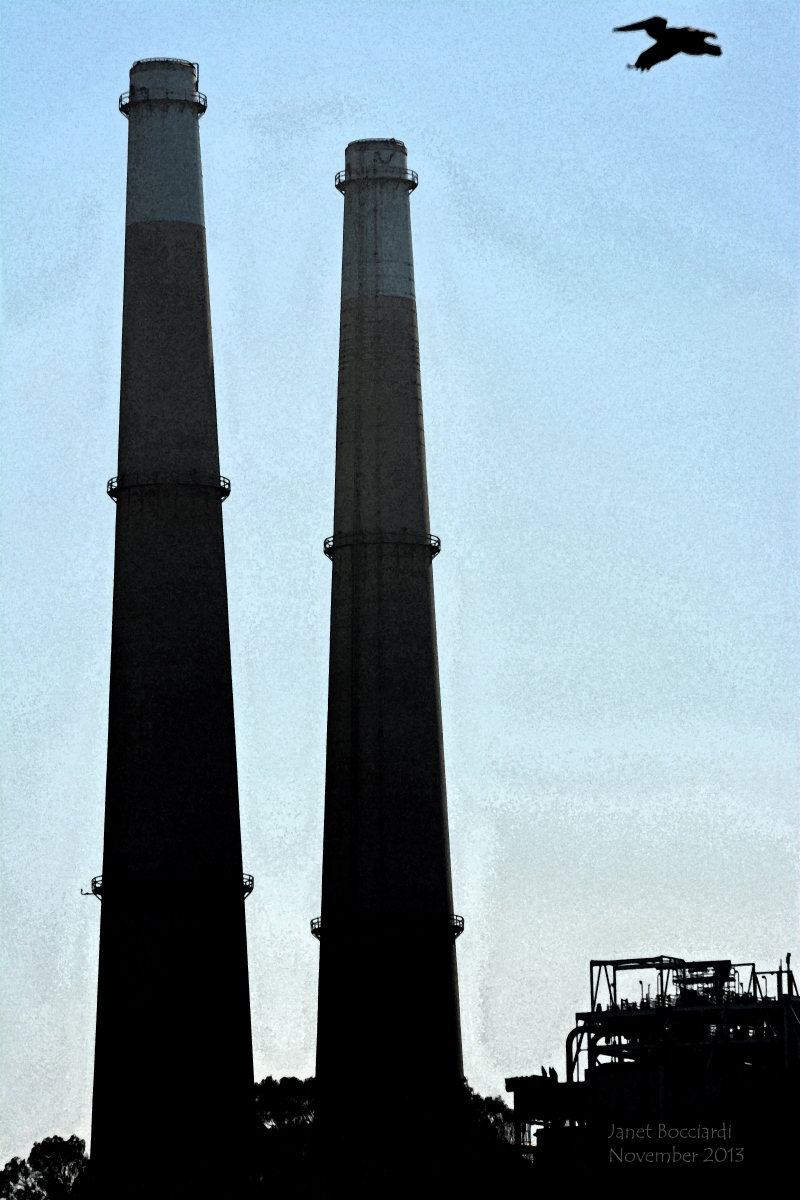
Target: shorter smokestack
(388, 1028)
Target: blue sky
(606, 284)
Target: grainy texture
(388, 995)
(168, 419)
(173, 1006)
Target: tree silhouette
(489, 1118)
(286, 1159)
(284, 1144)
(285, 1103)
(289, 1160)
(51, 1171)
(17, 1180)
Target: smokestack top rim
(143, 64)
(376, 142)
(154, 79)
(376, 159)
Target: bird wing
(655, 54)
(693, 41)
(654, 26)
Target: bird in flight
(669, 42)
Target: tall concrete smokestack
(173, 1064)
(388, 1027)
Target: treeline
(284, 1157)
(50, 1172)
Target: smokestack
(173, 1063)
(388, 1026)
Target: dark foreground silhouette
(669, 42)
(291, 1159)
(50, 1172)
(288, 1159)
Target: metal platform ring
(400, 175)
(454, 921)
(151, 95)
(113, 486)
(338, 540)
(248, 883)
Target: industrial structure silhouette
(698, 1069)
(173, 993)
(173, 1015)
(388, 990)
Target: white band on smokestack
(376, 254)
(165, 178)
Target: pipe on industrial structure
(173, 1064)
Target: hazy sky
(605, 267)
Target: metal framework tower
(686, 1062)
(173, 1064)
(388, 1023)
